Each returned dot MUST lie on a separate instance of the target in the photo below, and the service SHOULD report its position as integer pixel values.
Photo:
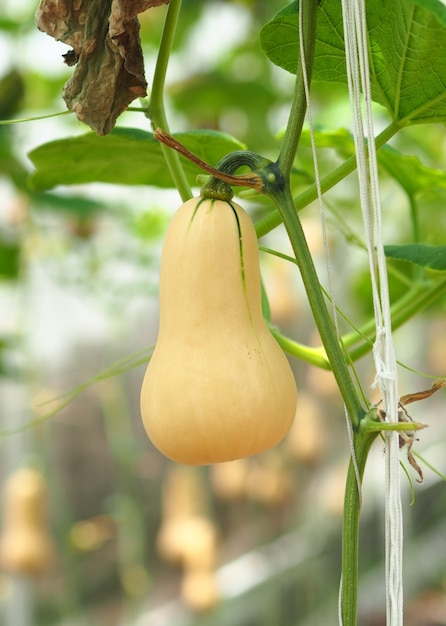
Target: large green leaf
(407, 53)
(432, 257)
(126, 156)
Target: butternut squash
(218, 386)
(200, 590)
(26, 546)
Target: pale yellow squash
(218, 386)
(26, 547)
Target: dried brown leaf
(422, 395)
(109, 72)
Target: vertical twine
(355, 35)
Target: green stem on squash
(156, 109)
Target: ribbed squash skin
(218, 386)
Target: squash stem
(156, 109)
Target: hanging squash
(218, 386)
(26, 546)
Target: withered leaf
(426, 393)
(104, 35)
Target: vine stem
(273, 220)
(298, 108)
(281, 194)
(156, 109)
(350, 528)
(361, 441)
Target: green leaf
(126, 156)
(407, 53)
(340, 139)
(438, 9)
(410, 172)
(74, 206)
(432, 257)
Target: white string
(387, 381)
(355, 30)
(317, 175)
